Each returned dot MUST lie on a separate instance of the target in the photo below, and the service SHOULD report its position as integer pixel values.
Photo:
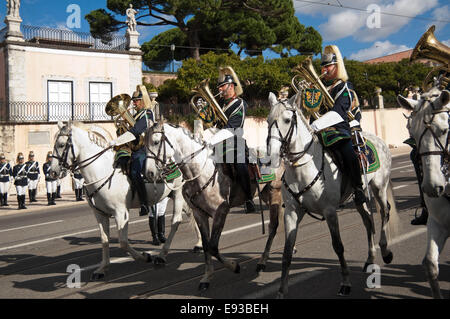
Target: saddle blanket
(371, 154)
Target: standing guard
(235, 108)
(33, 175)
(78, 182)
(5, 178)
(20, 180)
(50, 182)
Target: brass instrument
(206, 106)
(428, 47)
(308, 78)
(123, 121)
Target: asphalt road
(38, 246)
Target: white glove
(112, 143)
(314, 127)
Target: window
(99, 95)
(60, 100)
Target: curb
(67, 201)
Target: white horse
(429, 126)
(207, 189)
(108, 189)
(313, 183)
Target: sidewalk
(68, 199)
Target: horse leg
(382, 200)
(273, 226)
(291, 221)
(436, 237)
(176, 220)
(103, 225)
(365, 215)
(333, 225)
(203, 225)
(217, 227)
(122, 218)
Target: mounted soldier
(235, 109)
(335, 124)
(5, 177)
(33, 175)
(131, 156)
(50, 182)
(78, 182)
(20, 180)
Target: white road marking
(271, 289)
(400, 186)
(400, 167)
(35, 225)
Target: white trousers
(4, 187)
(51, 186)
(78, 183)
(21, 190)
(160, 207)
(32, 184)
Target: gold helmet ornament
(141, 93)
(227, 75)
(332, 55)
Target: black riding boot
(5, 199)
(2, 201)
(54, 195)
(244, 180)
(49, 199)
(23, 202)
(19, 202)
(30, 195)
(34, 200)
(140, 188)
(161, 228)
(58, 191)
(152, 225)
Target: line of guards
(26, 175)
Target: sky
(362, 29)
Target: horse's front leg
(291, 220)
(436, 238)
(275, 210)
(217, 227)
(203, 225)
(122, 217)
(367, 220)
(382, 200)
(103, 225)
(333, 225)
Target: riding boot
(53, 198)
(5, 199)
(1, 200)
(49, 199)
(80, 194)
(161, 228)
(23, 202)
(244, 181)
(140, 188)
(152, 225)
(58, 191)
(19, 202)
(30, 195)
(33, 192)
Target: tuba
(428, 47)
(206, 106)
(315, 97)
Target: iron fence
(53, 112)
(46, 35)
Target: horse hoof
(260, 267)
(237, 269)
(388, 258)
(203, 286)
(97, 276)
(344, 291)
(197, 249)
(148, 257)
(280, 295)
(159, 261)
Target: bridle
(443, 150)
(76, 165)
(285, 152)
(167, 165)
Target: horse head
(289, 131)
(159, 151)
(429, 126)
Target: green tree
(251, 25)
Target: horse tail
(394, 219)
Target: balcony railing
(44, 35)
(54, 111)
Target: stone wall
(157, 79)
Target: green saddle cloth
(267, 175)
(331, 136)
(371, 154)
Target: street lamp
(172, 48)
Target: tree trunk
(194, 42)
